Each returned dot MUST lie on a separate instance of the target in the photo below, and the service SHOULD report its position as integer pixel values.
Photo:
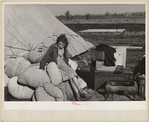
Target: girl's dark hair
(63, 39)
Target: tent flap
(26, 26)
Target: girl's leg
(75, 81)
(77, 95)
(82, 92)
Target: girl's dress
(66, 71)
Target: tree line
(70, 17)
(88, 16)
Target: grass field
(124, 39)
(132, 27)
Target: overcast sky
(60, 9)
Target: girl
(58, 53)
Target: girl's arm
(55, 55)
(67, 56)
(45, 59)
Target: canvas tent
(28, 25)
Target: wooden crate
(97, 78)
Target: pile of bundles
(25, 80)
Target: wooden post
(92, 73)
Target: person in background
(58, 53)
(140, 68)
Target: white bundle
(73, 64)
(41, 95)
(82, 82)
(33, 77)
(19, 91)
(15, 66)
(6, 80)
(54, 73)
(35, 55)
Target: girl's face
(61, 45)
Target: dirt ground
(96, 97)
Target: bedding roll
(54, 73)
(15, 66)
(42, 95)
(19, 91)
(35, 55)
(33, 77)
(82, 83)
(6, 80)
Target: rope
(84, 60)
(14, 36)
(12, 56)
(19, 33)
(11, 50)
(16, 48)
